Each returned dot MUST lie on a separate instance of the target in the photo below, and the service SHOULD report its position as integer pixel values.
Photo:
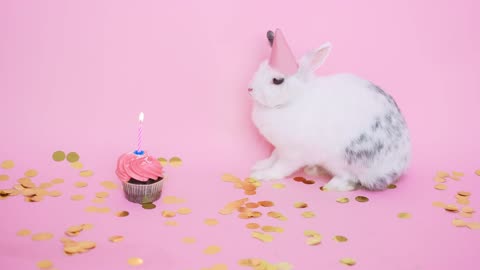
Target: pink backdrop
(75, 74)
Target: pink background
(75, 74)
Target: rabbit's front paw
(267, 174)
(340, 184)
(263, 164)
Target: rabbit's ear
(314, 59)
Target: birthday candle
(140, 127)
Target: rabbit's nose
(250, 89)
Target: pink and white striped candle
(139, 138)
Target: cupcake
(141, 176)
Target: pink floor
(75, 74)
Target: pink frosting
(138, 167)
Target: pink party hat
(281, 57)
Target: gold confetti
(45, 185)
(311, 233)
(348, 261)
(230, 178)
(116, 238)
(148, 206)
(81, 184)
(477, 172)
(451, 208)
(262, 236)
(277, 215)
(57, 181)
(24, 232)
(468, 210)
(77, 165)
(474, 225)
(42, 236)
(459, 223)
(308, 214)
(109, 185)
(98, 200)
(309, 182)
(55, 193)
(252, 226)
(162, 161)
(300, 205)
(175, 162)
(343, 200)
(463, 200)
(31, 173)
(441, 186)
(87, 226)
(122, 214)
(322, 188)
(251, 205)
(189, 240)
(168, 214)
(7, 164)
(340, 238)
(314, 240)
(58, 156)
(184, 211)
(210, 250)
(404, 215)
(135, 261)
(442, 174)
(278, 185)
(361, 199)
(45, 264)
(77, 197)
(172, 200)
(86, 173)
(457, 174)
(250, 192)
(72, 157)
(4, 177)
(102, 194)
(171, 223)
(272, 229)
(211, 221)
(266, 203)
(466, 215)
(464, 193)
(392, 186)
(218, 266)
(440, 180)
(299, 179)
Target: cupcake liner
(138, 193)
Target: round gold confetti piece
(86, 173)
(314, 240)
(299, 179)
(72, 157)
(348, 261)
(278, 185)
(171, 223)
(392, 186)
(468, 210)
(308, 214)
(45, 185)
(311, 233)
(109, 185)
(404, 215)
(210, 250)
(300, 205)
(172, 200)
(361, 199)
(57, 181)
(441, 186)
(148, 206)
(459, 223)
(266, 203)
(189, 240)
(42, 236)
(219, 266)
(184, 211)
(98, 200)
(87, 226)
(466, 215)
(81, 184)
(322, 188)
(58, 156)
(309, 182)
(175, 162)
(458, 174)
(253, 226)
(31, 173)
(55, 193)
(451, 208)
(340, 238)
(439, 204)
(464, 193)
(7, 164)
(250, 192)
(77, 165)
(135, 261)
(75, 229)
(162, 161)
(115, 238)
(477, 172)
(442, 174)
(343, 200)
(102, 194)
(77, 197)
(251, 205)
(168, 214)
(473, 225)
(4, 177)
(24, 232)
(122, 214)
(211, 221)
(440, 179)
(45, 264)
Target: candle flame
(140, 117)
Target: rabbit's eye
(278, 81)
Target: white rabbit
(341, 123)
